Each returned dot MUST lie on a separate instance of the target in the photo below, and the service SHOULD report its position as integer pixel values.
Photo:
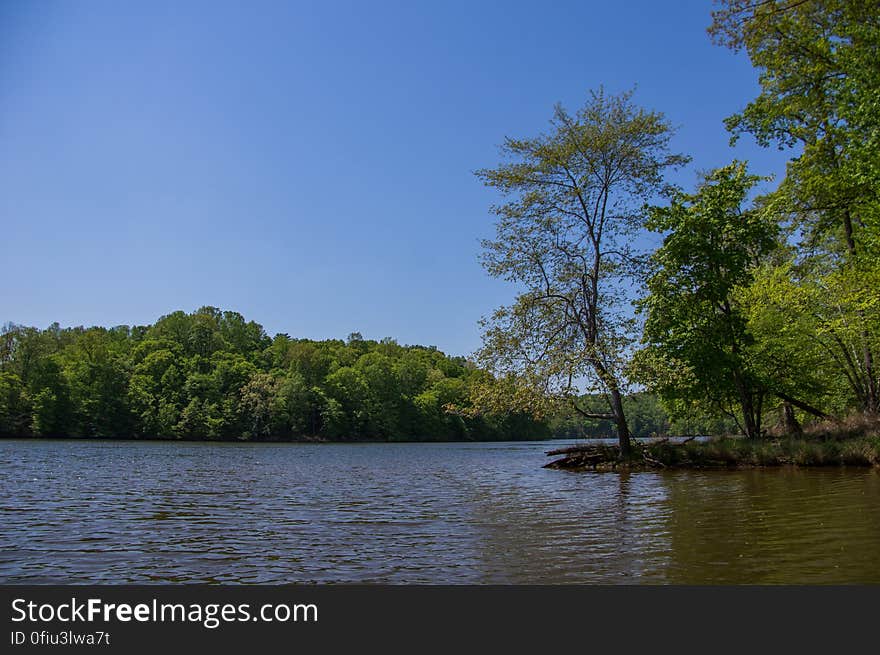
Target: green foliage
(819, 83)
(574, 200)
(697, 344)
(213, 375)
(820, 93)
(807, 329)
(14, 411)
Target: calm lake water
(125, 511)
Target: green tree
(53, 411)
(350, 413)
(296, 407)
(805, 337)
(156, 386)
(258, 398)
(820, 85)
(575, 200)
(97, 378)
(697, 342)
(14, 409)
(385, 400)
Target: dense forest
(213, 375)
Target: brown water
(115, 512)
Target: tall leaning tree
(574, 201)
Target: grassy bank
(725, 452)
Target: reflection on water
(118, 512)
(783, 527)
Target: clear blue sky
(307, 164)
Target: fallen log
(583, 448)
(577, 462)
(654, 462)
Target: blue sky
(309, 165)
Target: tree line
(211, 374)
(753, 306)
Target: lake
(138, 512)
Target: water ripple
(124, 511)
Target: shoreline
(721, 453)
(305, 440)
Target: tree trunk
(872, 393)
(751, 429)
(792, 426)
(615, 400)
(872, 399)
(751, 411)
(623, 436)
